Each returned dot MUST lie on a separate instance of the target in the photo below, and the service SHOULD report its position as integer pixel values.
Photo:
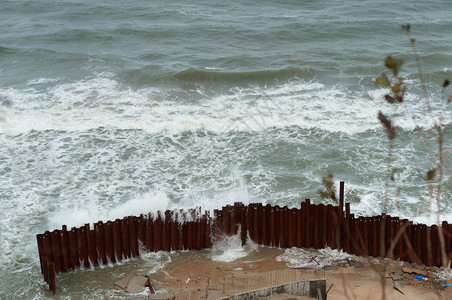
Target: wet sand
(194, 275)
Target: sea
(117, 108)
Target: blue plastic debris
(446, 284)
(419, 276)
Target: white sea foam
(229, 248)
(104, 102)
(92, 213)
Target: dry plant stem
(440, 132)
(438, 197)
(348, 288)
(383, 283)
(421, 78)
(388, 170)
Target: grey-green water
(116, 108)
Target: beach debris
(313, 259)
(420, 277)
(136, 284)
(132, 283)
(186, 281)
(356, 263)
(148, 284)
(417, 271)
(329, 288)
(330, 268)
(122, 283)
(396, 274)
(397, 286)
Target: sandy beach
(190, 276)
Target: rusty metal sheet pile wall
(313, 225)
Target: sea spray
(228, 248)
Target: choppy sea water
(111, 109)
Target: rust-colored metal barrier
(311, 226)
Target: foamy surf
(105, 102)
(228, 248)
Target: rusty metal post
(316, 225)
(403, 244)
(436, 248)
(202, 230)
(117, 243)
(218, 223)
(300, 229)
(47, 246)
(282, 227)
(307, 224)
(82, 250)
(51, 278)
(133, 240)
(90, 246)
(149, 232)
(321, 230)
(243, 224)
(109, 242)
(260, 223)
(293, 224)
(341, 198)
(173, 230)
(198, 230)
(399, 245)
(256, 224)
(56, 249)
(45, 268)
(273, 227)
(430, 244)
(417, 244)
(125, 238)
(65, 248)
(226, 220)
(183, 230)
(277, 212)
(232, 212)
(99, 228)
(74, 259)
(166, 230)
(447, 241)
(424, 253)
(208, 224)
(249, 220)
(190, 244)
(157, 243)
(329, 225)
(267, 230)
(350, 234)
(141, 233)
(374, 236)
(39, 238)
(346, 227)
(366, 238)
(288, 225)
